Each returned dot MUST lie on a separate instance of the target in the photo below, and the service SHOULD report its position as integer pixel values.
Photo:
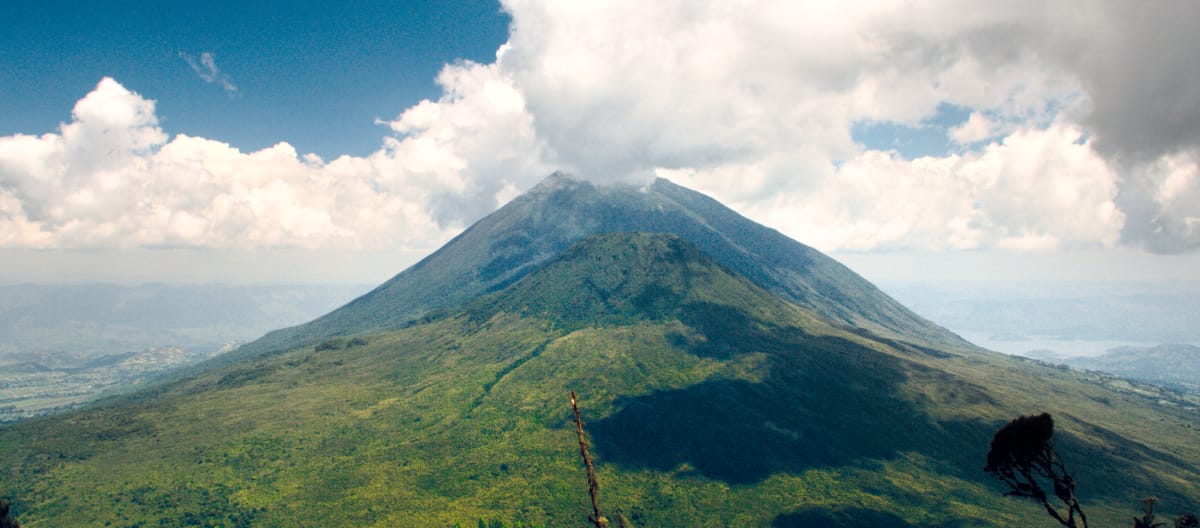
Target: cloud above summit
(1082, 130)
(1079, 113)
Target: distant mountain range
(1176, 366)
(1068, 311)
(30, 388)
(68, 325)
(727, 376)
(64, 345)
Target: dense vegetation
(710, 401)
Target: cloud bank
(110, 178)
(1083, 131)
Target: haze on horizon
(913, 141)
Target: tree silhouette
(1147, 520)
(1023, 457)
(5, 520)
(1187, 520)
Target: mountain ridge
(561, 210)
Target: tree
(5, 520)
(593, 485)
(1187, 520)
(1147, 520)
(1023, 457)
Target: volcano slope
(538, 225)
(710, 402)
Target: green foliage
(625, 278)
(723, 407)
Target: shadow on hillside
(826, 402)
(725, 332)
(1094, 466)
(850, 517)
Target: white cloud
(1163, 197)
(976, 128)
(68, 180)
(753, 103)
(206, 68)
(473, 145)
(1000, 198)
(110, 178)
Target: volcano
(727, 375)
(562, 210)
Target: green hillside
(710, 402)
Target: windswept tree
(1023, 457)
(1187, 520)
(5, 520)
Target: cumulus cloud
(754, 103)
(1136, 64)
(1162, 198)
(1083, 131)
(999, 198)
(473, 148)
(976, 128)
(206, 68)
(110, 178)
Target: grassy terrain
(710, 402)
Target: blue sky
(227, 141)
(314, 74)
(927, 138)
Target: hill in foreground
(710, 401)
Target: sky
(342, 141)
